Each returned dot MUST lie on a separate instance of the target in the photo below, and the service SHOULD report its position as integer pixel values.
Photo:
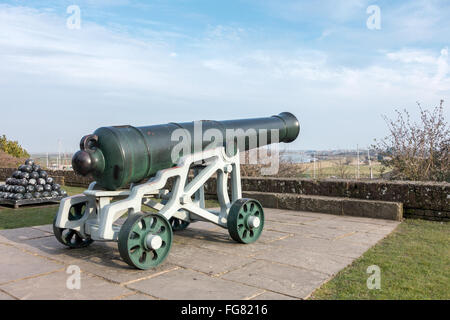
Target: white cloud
(114, 77)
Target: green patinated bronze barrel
(120, 155)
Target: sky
(337, 65)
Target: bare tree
(417, 151)
(342, 169)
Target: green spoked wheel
(178, 224)
(245, 220)
(68, 237)
(145, 240)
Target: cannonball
(18, 196)
(49, 180)
(32, 182)
(41, 181)
(56, 187)
(34, 175)
(37, 195)
(20, 189)
(43, 174)
(29, 162)
(28, 195)
(46, 194)
(39, 188)
(31, 188)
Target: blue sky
(149, 62)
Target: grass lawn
(414, 262)
(28, 216)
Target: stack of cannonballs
(30, 182)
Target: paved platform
(297, 253)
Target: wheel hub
(253, 222)
(153, 242)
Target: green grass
(28, 216)
(414, 262)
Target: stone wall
(427, 200)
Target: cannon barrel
(119, 155)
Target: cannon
(155, 176)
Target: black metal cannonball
(18, 196)
(43, 174)
(34, 175)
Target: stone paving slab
(16, 264)
(24, 234)
(53, 287)
(188, 284)
(307, 259)
(4, 296)
(267, 295)
(297, 252)
(292, 281)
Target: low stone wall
(332, 205)
(427, 200)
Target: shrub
(417, 151)
(12, 148)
